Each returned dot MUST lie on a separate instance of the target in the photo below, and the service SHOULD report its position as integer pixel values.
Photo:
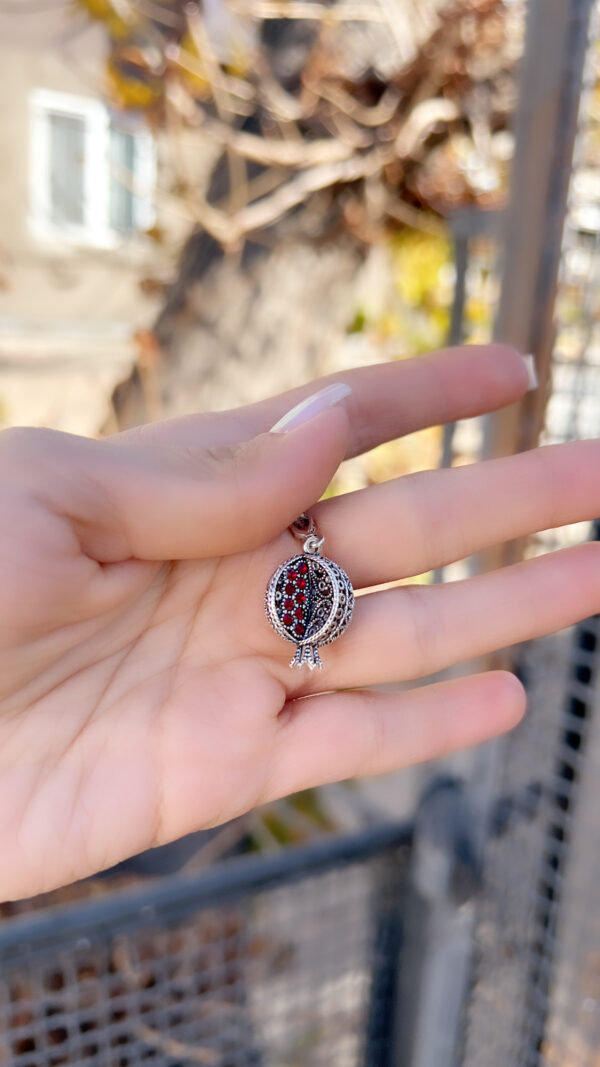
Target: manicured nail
(312, 405)
(532, 377)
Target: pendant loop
(305, 529)
(313, 544)
(303, 526)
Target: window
(92, 177)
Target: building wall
(68, 313)
(105, 283)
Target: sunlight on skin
(142, 699)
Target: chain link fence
(535, 1001)
(289, 959)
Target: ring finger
(415, 631)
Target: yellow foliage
(98, 9)
(419, 261)
(239, 63)
(477, 312)
(389, 324)
(192, 70)
(421, 272)
(104, 11)
(131, 93)
(417, 452)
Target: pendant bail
(313, 544)
(305, 529)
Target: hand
(143, 694)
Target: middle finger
(412, 524)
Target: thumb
(173, 504)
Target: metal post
(454, 823)
(546, 124)
(550, 88)
(455, 333)
(438, 919)
(465, 224)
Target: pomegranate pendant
(309, 600)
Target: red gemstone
(301, 584)
(289, 588)
(302, 568)
(287, 620)
(299, 629)
(299, 613)
(288, 603)
(300, 597)
(292, 575)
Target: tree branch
(304, 9)
(274, 153)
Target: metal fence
(535, 1000)
(289, 959)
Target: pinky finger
(348, 734)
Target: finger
(415, 631)
(427, 520)
(128, 502)
(343, 735)
(388, 400)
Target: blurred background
(202, 204)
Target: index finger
(388, 400)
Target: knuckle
(378, 743)
(28, 443)
(424, 640)
(21, 438)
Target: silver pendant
(309, 600)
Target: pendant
(309, 600)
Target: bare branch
(157, 12)
(299, 9)
(210, 64)
(422, 121)
(414, 217)
(238, 177)
(277, 153)
(377, 115)
(229, 230)
(299, 188)
(345, 130)
(282, 105)
(403, 19)
(241, 96)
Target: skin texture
(143, 694)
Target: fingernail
(312, 405)
(532, 377)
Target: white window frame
(95, 230)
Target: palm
(141, 699)
(176, 718)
